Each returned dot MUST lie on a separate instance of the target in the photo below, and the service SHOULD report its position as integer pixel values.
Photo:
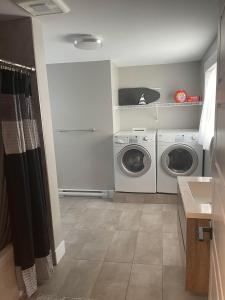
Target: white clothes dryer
(178, 154)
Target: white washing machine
(135, 161)
(178, 154)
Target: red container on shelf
(193, 99)
(180, 96)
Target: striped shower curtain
(24, 180)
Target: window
(207, 122)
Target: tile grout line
(132, 263)
(94, 283)
(101, 265)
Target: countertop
(196, 198)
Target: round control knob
(145, 138)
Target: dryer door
(134, 160)
(179, 160)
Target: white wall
(81, 98)
(168, 78)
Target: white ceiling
(135, 32)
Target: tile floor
(120, 250)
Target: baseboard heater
(86, 193)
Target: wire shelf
(157, 105)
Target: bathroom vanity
(194, 228)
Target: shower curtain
(5, 231)
(24, 178)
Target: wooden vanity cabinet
(195, 253)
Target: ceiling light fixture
(88, 43)
(43, 7)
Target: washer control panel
(132, 139)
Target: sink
(201, 191)
(196, 197)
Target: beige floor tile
(109, 219)
(140, 293)
(129, 197)
(166, 198)
(146, 275)
(150, 198)
(119, 197)
(65, 204)
(122, 247)
(145, 282)
(52, 286)
(171, 250)
(80, 279)
(72, 215)
(148, 236)
(69, 202)
(151, 223)
(169, 221)
(89, 244)
(129, 220)
(174, 285)
(63, 209)
(162, 198)
(110, 291)
(112, 282)
(135, 198)
(172, 198)
(66, 229)
(89, 219)
(128, 206)
(100, 203)
(148, 249)
(77, 201)
(169, 207)
(93, 218)
(152, 208)
(72, 278)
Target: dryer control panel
(187, 137)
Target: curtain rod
(7, 62)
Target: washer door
(134, 160)
(179, 160)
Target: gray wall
(81, 98)
(115, 86)
(168, 78)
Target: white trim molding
(60, 251)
